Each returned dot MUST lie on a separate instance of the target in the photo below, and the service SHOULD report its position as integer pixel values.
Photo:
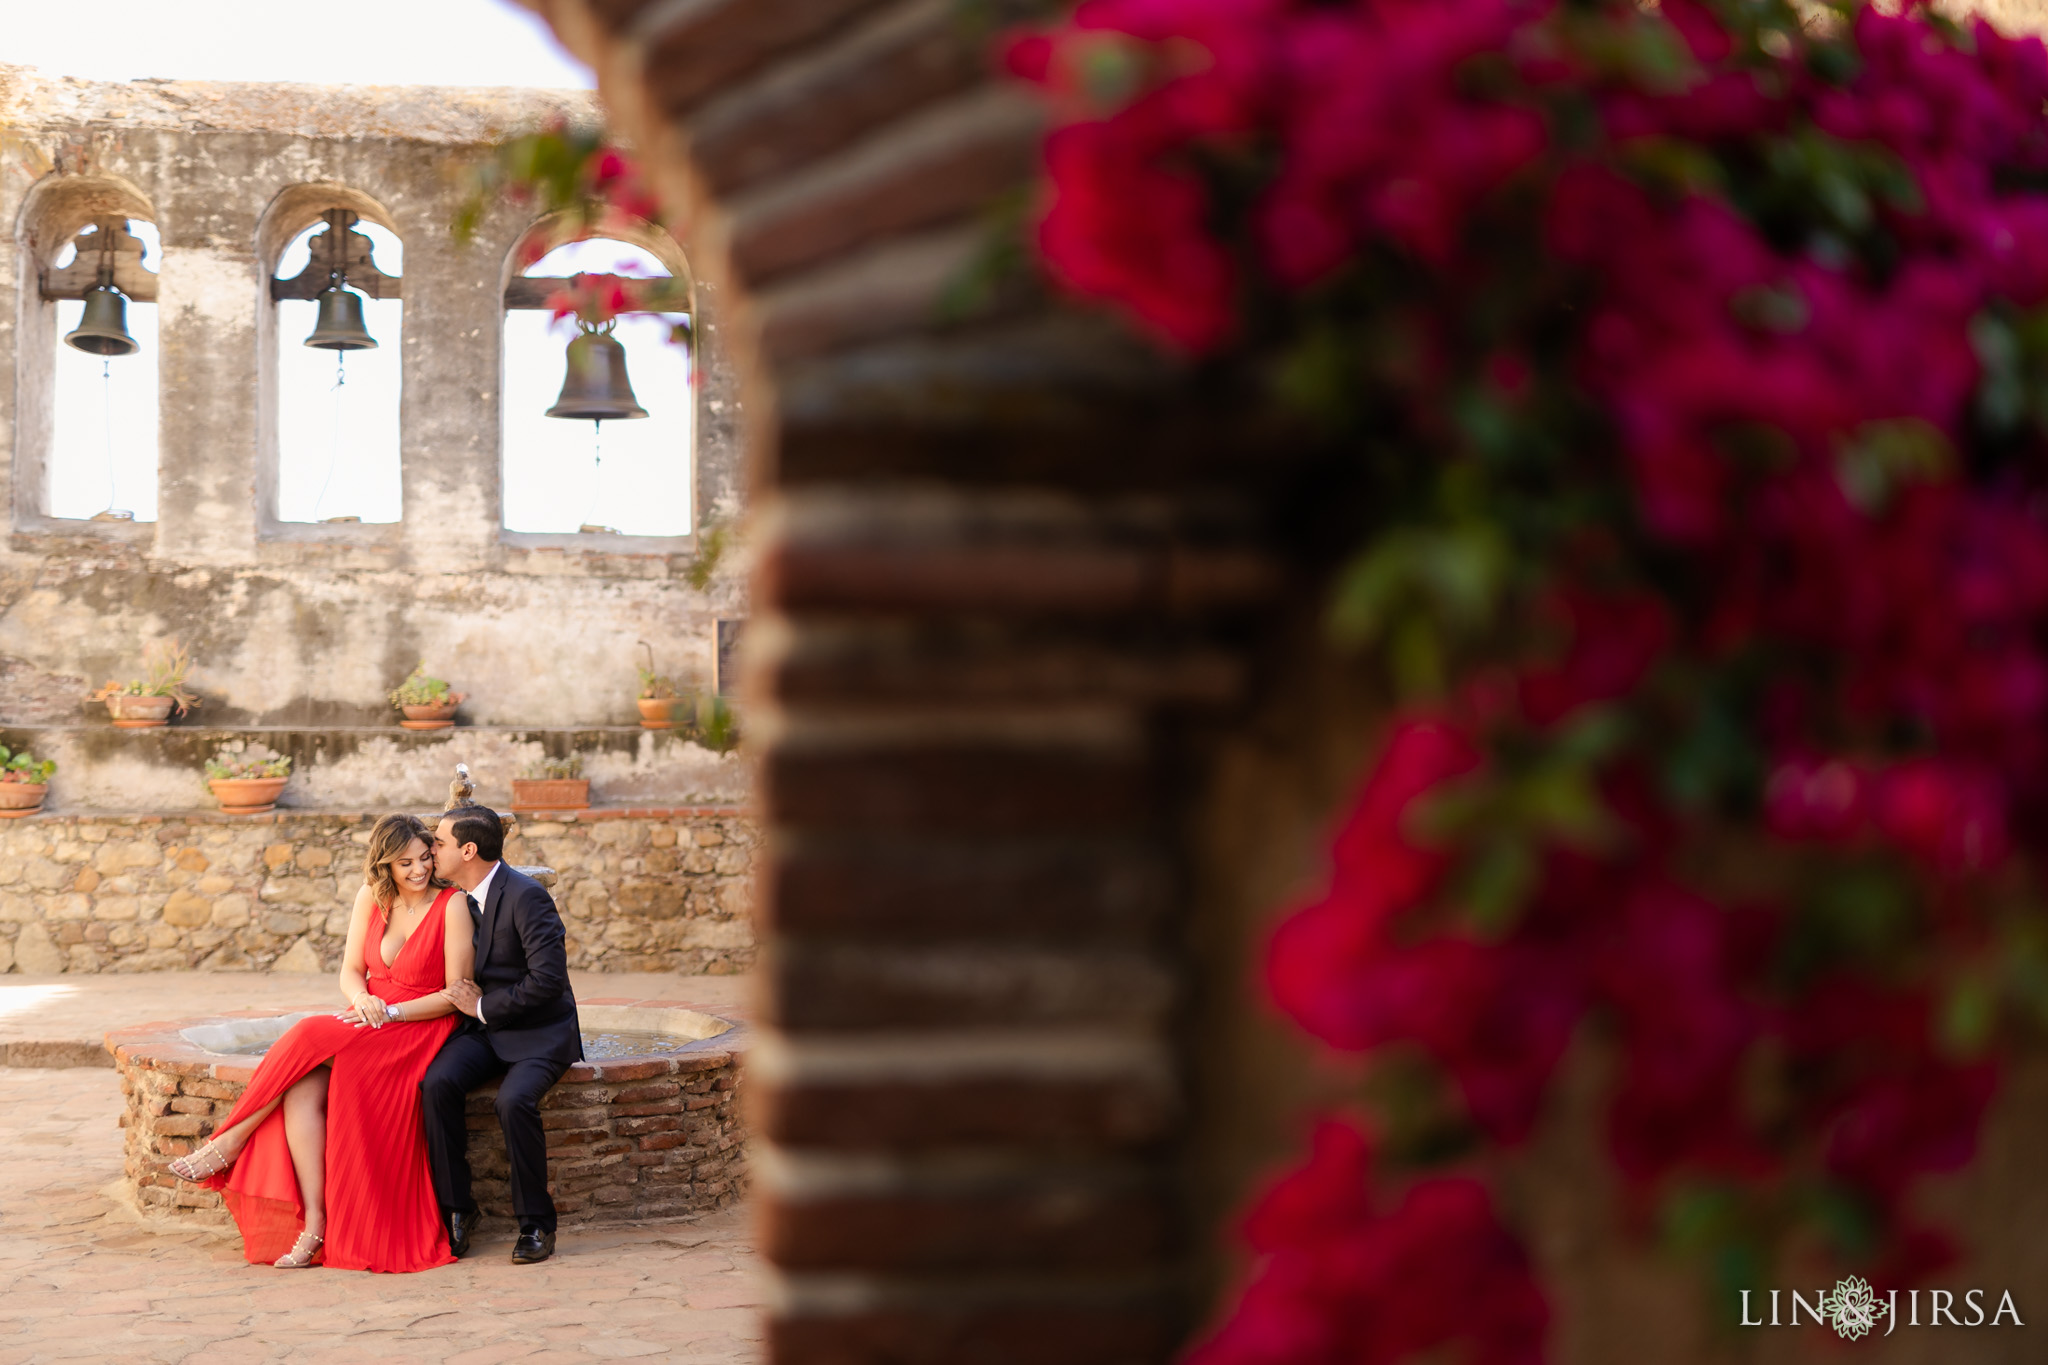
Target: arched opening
(624, 477)
(87, 358)
(333, 359)
(103, 438)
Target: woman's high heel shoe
(302, 1253)
(200, 1164)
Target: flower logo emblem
(1853, 1308)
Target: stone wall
(641, 890)
(667, 892)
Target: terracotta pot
(658, 713)
(140, 713)
(431, 716)
(21, 798)
(247, 795)
(550, 793)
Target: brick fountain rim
(705, 1041)
(631, 1139)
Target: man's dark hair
(477, 825)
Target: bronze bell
(103, 327)
(594, 386)
(340, 325)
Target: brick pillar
(1004, 570)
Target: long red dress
(381, 1211)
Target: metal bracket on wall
(115, 258)
(538, 291)
(340, 250)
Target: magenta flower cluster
(1716, 341)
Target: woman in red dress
(324, 1156)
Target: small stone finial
(461, 791)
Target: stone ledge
(156, 1045)
(370, 767)
(284, 814)
(391, 731)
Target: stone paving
(81, 1280)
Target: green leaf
(1495, 881)
(1318, 375)
(1844, 1216)
(1562, 801)
(1859, 912)
(1968, 1016)
(1454, 574)
(1881, 458)
(1416, 656)
(1592, 736)
(1695, 1217)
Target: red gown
(381, 1210)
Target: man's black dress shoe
(460, 1225)
(533, 1245)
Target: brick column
(1003, 568)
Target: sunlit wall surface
(632, 477)
(337, 412)
(103, 414)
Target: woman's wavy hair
(390, 837)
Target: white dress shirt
(483, 888)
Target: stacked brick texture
(653, 1139)
(649, 891)
(628, 1141)
(1013, 580)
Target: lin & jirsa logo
(1853, 1309)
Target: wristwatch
(391, 1011)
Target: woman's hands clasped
(365, 1009)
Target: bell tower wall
(298, 631)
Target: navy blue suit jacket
(522, 967)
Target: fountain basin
(647, 1128)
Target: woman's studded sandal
(198, 1165)
(302, 1253)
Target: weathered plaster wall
(653, 891)
(297, 625)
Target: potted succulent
(657, 695)
(151, 700)
(246, 778)
(553, 784)
(24, 782)
(426, 701)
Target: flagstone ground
(81, 1279)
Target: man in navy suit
(521, 1029)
